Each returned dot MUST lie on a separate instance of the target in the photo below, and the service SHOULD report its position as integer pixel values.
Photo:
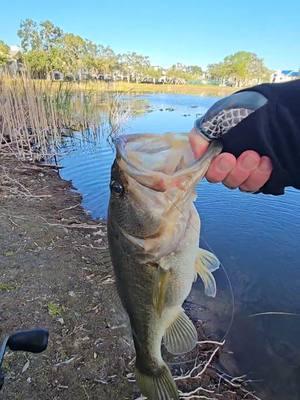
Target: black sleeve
(272, 130)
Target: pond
(256, 237)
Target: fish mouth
(163, 162)
(161, 172)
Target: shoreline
(148, 88)
(94, 87)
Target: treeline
(50, 53)
(240, 69)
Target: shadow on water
(255, 236)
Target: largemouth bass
(153, 233)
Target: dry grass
(34, 115)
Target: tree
(134, 65)
(257, 70)
(74, 51)
(37, 62)
(105, 61)
(154, 73)
(41, 44)
(4, 53)
(183, 72)
(50, 35)
(29, 35)
(41, 36)
(240, 68)
(56, 60)
(194, 71)
(237, 66)
(244, 67)
(217, 72)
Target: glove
(226, 121)
(227, 113)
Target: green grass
(129, 87)
(55, 310)
(6, 287)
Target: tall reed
(35, 114)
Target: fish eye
(116, 187)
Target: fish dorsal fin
(206, 263)
(181, 336)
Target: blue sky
(192, 31)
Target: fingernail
(224, 165)
(229, 187)
(249, 162)
(265, 165)
(198, 145)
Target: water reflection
(255, 236)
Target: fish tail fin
(160, 386)
(206, 263)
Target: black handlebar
(33, 341)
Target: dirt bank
(53, 274)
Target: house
(284, 76)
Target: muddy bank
(55, 272)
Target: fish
(153, 235)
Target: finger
(259, 176)
(246, 163)
(198, 144)
(220, 167)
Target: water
(255, 236)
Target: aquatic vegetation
(35, 115)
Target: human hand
(249, 172)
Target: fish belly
(181, 263)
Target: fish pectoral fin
(206, 263)
(195, 276)
(181, 336)
(160, 386)
(160, 294)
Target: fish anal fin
(206, 263)
(181, 336)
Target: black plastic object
(1, 379)
(34, 341)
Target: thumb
(198, 144)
